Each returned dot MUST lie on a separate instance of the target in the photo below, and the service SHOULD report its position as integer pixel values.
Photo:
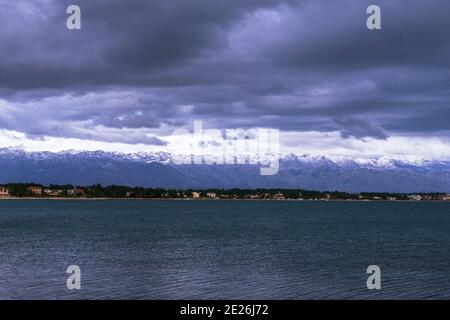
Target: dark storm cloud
(121, 41)
(413, 33)
(351, 127)
(138, 66)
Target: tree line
(117, 191)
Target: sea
(230, 249)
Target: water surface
(224, 249)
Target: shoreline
(192, 199)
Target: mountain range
(160, 170)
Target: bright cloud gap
(313, 143)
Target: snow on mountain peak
(162, 157)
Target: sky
(139, 70)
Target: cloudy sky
(138, 70)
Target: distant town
(24, 191)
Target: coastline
(192, 199)
(29, 191)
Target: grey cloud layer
(139, 68)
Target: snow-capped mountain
(161, 170)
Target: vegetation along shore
(62, 192)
